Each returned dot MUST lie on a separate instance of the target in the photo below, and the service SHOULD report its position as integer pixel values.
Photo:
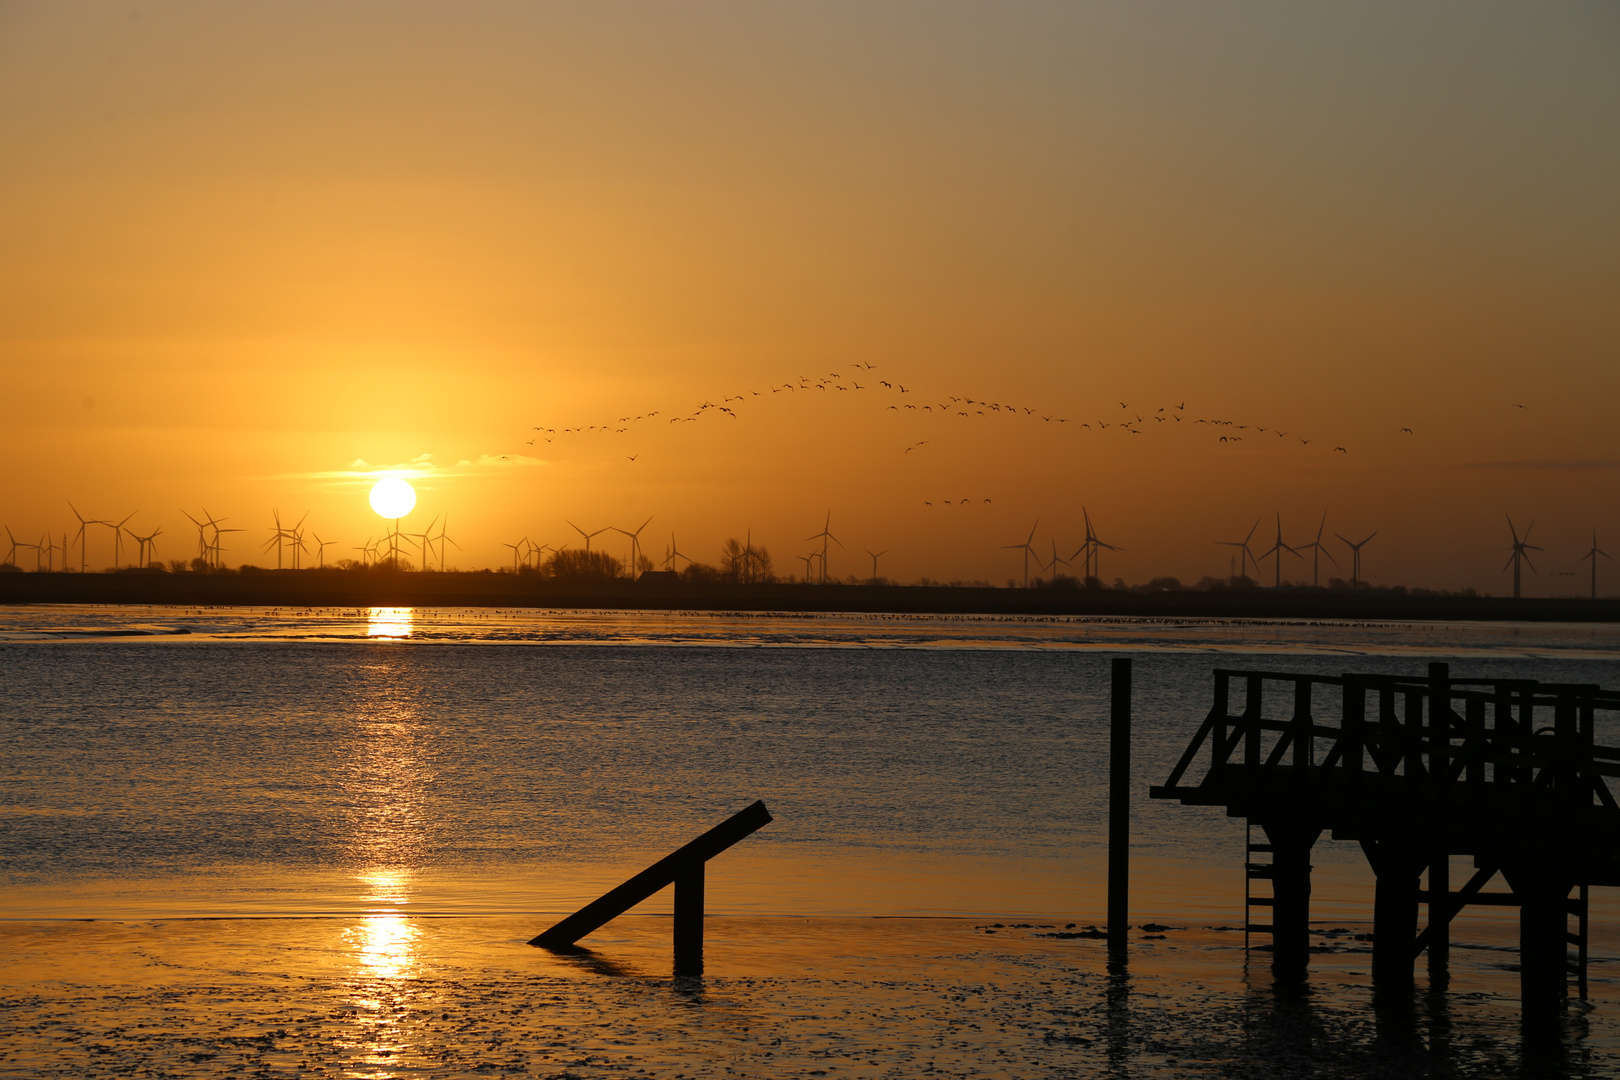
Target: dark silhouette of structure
(682, 868)
(1244, 554)
(1119, 806)
(1417, 770)
(1593, 554)
(1521, 549)
(1355, 559)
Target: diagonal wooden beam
(659, 875)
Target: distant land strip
(384, 588)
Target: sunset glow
(519, 249)
(392, 497)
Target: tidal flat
(315, 843)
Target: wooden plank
(659, 875)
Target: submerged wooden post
(689, 919)
(682, 868)
(1291, 842)
(1440, 856)
(1119, 805)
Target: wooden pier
(1417, 770)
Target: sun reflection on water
(386, 945)
(385, 941)
(388, 622)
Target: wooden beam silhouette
(682, 868)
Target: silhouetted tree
(700, 574)
(575, 564)
(743, 564)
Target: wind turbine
(875, 555)
(83, 537)
(1355, 559)
(1317, 551)
(635, 546)
(1275, 552)
(589, 536)
(295, 541)
(320, 549)
(1056, 559)
(515, 548)
(444, 538)
(145, 541)
(276, 540)
(675, 553)
(1593, 555)
(825, 535)
(1026, 549)
(1245, 553)
(1096, 545)
(202, 535)
(1521, 552)
(424, 543)
(11, 556)
(296, 545)
(807, 560)
(219, 548)
(118, 538)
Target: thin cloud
(1588, 465)
(361, 472)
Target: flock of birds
(1129, 420)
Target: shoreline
(384, 1000)
(483, 589)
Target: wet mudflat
(401, 997)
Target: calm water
(161, 762)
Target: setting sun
(392, 497)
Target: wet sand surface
(391, 996)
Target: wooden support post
(1253, 702)
(682, 868)
(1351, 727)
(1291, 844)
(1543, 930)
(1119, 806)
(1440, 857)
(1395, 911)
(689, 919)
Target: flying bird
(1404, 430)
(634, 456)
(1340, 450)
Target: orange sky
(244, 248)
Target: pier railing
(1417, 770)
(1436, 736)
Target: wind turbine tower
(1593, 555)
(635, 546)
(1317, 551)
(1275, 552)
(1244, 554)
(1521, 553)
(824, 536)
(1096, 545)
(1027, 548)
(1355, 558)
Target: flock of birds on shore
(1128, 420)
